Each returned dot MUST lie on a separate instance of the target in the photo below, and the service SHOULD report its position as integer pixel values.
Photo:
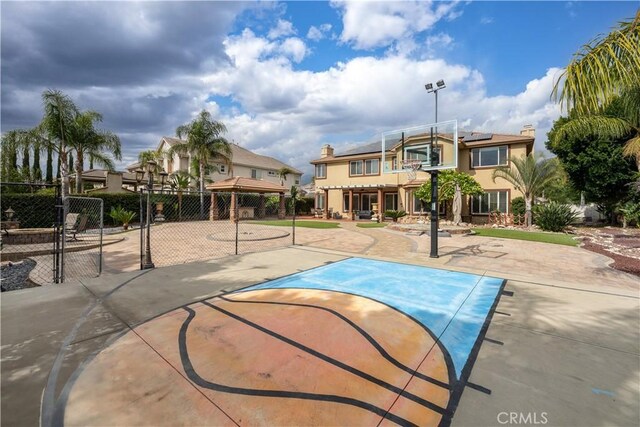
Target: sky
(288, 77)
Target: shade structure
(246, 185)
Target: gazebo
(244, 185)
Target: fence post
(65, 209)
(236, 217)
(101, 232)
(142, 225)
(57, 257)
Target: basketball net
(411, 167)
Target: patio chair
(74, 224)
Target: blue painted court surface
(453, 306)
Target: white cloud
(289, 113)
(283, 28)
(440, 40)
(485, 20)
(318, 33)
(368, 25)
(294, 48)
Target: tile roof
(242, 156)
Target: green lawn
(305, 224)
(371, 224)
(534, 236)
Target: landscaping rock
(15, 275)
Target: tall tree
(452, 185)
(26, 162)
(59, 169)
(37, 171)
(49, 169)
(283, 172)
(180, 181)
(144, 157)
(529, 175)
(594, 164)
(11, 145)
(604, 70)
(204, 142)
(59, 115)
(87, 140)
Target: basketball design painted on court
(273, 354)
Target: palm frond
(594, 126)
(102, 159)
(601, 70)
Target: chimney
(326, 151)
(528, 130)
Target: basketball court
(354, 342)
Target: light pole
(434, 174)
(148, 263)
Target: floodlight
(440, 84)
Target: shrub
(122, 216)
(394, 215)
(518, 209)
(554, 216)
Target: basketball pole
(434, 175)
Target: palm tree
(59, 115)
(146, 156)
(12, 142)
(180, 181)
(529, 174)
(204, 142)
(604, 70)
(283, 172)
(87, 140)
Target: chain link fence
(30, 234)
(194, 226)
(82, 244)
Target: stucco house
(352, 181)
(245, 163)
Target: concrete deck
(563, 344)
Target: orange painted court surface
(286, 352)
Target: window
(489, 156)
(355, 167)
(256, 174)
(422, 153)
(368, 200)
(297, 182)
(489, 202)
(420, 207)
(320, 201)
(391, 201)
(321, 170)
(345, 202)
(394, 163)
(222, 168)
(372, 167)
(424, 208)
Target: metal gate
(188, 226)
(81, 238)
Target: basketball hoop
(411, 167)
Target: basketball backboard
(411, 148)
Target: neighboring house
(106, 181)
(244, 164)
(356, 175)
